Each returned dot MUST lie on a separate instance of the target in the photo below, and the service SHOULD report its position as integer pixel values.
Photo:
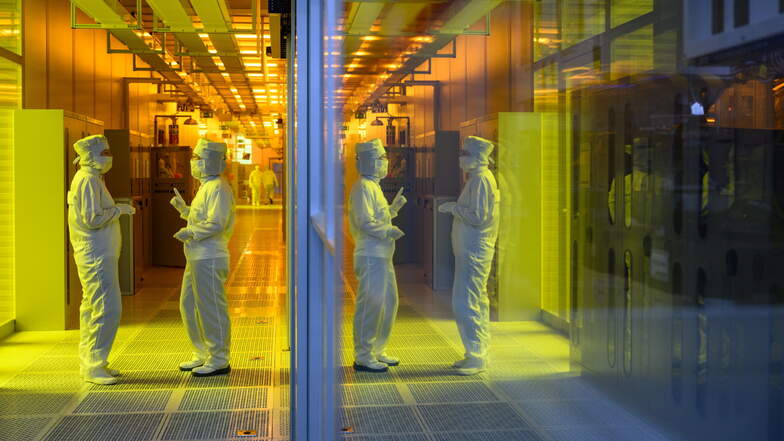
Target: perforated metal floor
(527, 394)
(154, 401)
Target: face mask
(198, 168)
(382, 168)
(104, 163)
(467, 163)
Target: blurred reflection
(639, 145)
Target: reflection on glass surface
(638, 146)
(10, 98)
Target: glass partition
(632, 291)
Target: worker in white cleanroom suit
(255, 181)
(474, 233)
(370, 224)
(94, 231)
(203, 303)
(270, 181)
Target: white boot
(472, 366)
(210, 371)
(387, 360)
(459, 363)
(100, 376)
(186, 366)
(370, 366)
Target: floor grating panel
(22, 429)
(465, 417)
(44, 382)
(214, 425)
(435, 373)
(33, 403)
(224, 399)
(54, 364)
(122, 427)
(406, 437)
(119, 402)
(370, 395)
(145, 380)
(518, 435)
(380, 420)
(465, 392)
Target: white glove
(183, 235)
(126, 209)
(178, 203)
(395, 233)
(447, 207)
(398, 203)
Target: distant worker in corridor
(203, 302)
(255, 182)
(370, 224)
(270, 182)
(474, 233)
(94, 230)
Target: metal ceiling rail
(179, 23)
(215, 17)
(360, 19)
(113, 17)
(460, 18)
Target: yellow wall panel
(40, 221)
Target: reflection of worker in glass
(399, 170)
(270, 182)
(370, 224)
(203, 303)
(254, 180)
(94, 232)
(636, 179)
(164, 169)
(474, 233)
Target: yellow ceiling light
(361, 53)
(245, 36)
(267, 123)
(272, 75)
(272, 64)
(249, 52)
(253, 64)
(370, 38)
(423, 39)
(204, 35)
(255, 74)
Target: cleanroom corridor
(43, 398)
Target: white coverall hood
(477, 153)
(213, 159)
(369, 159)
(89, 150)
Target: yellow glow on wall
(632, 53)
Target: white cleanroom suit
(474, 233)
(203, 303)
(94, 231)
(370, 224)
(255, 181)
(270, 181)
